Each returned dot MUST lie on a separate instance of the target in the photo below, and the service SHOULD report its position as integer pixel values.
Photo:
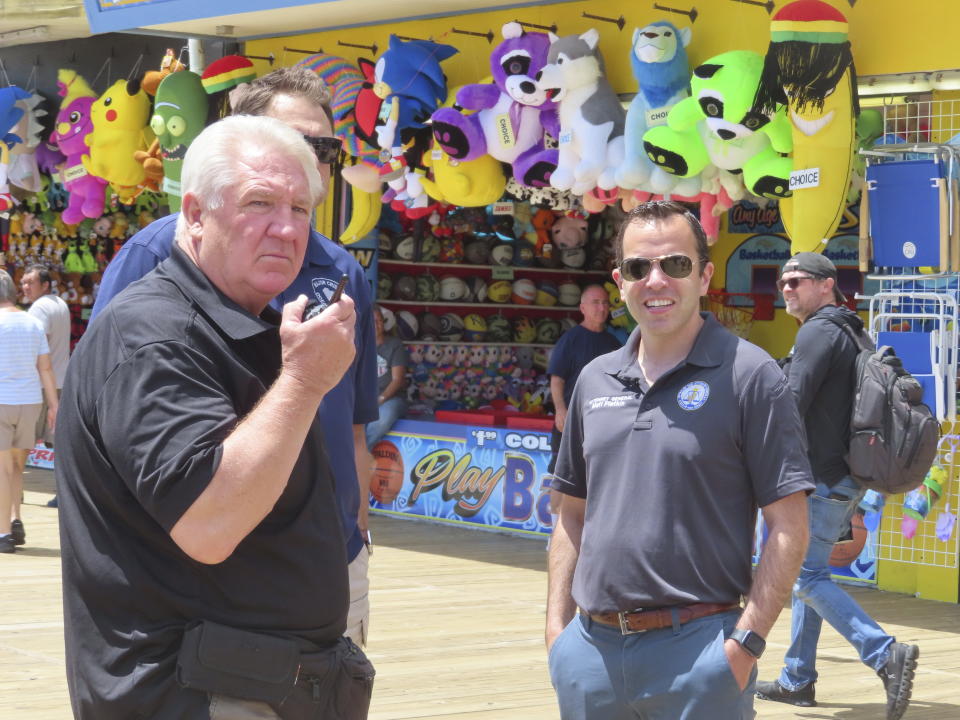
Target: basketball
(405, 248)
(384, 286)
(569, 294)
(502, 254)
(548, 330)
(523, 291)
(453, 289)
(500, 291)
(428, 288)
(573, 257)
(404, 288)
(429, 249)
(407, 325)
(498, 329)
(524, 330)
(475, 327)
(845, 553)
(430, 326)
(387, 472)
(476, 251)
(389, 319)
(546, 294)
(478, 289)
(451, 327)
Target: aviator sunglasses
(793, 283)
(637, 268)
(327, 149)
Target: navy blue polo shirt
(575, 348)
(673, 473)
(354, 399)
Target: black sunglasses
(327, 149)
(794, 282)
(637, 268)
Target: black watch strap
(749, 641)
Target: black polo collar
(706, 351)
(233, 320)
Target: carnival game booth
(445, 118)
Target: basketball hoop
(737, 311)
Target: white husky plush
(591, 117)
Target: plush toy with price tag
(659, 59)
(512, 112)
(74, 126)
(809, 68)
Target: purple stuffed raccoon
(511, 113)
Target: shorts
(358, 616)
(18, 426)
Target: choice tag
(505, 130)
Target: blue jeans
(391, 411)
(678, 673)
(817, 598)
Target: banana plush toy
(809, 68)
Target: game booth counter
(442, 470)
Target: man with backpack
(821, 373)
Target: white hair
(8, 288)
(211, 163)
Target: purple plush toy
(512, 112)
(74, 124)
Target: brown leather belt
(637, 621)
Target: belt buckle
(624, 628)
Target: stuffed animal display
(119, 118)
(591, 117)
(511, 113)
(74, 126)
(659, 61)
(719, 125)
(809, 68)
(179, 115)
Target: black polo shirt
(154, 388)
(673, 473)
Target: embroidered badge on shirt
(692, 396)
(323, 289)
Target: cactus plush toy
(179, 115)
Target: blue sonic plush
(659, 59)
(720, 124)
(401, 91)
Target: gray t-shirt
(389, 355)
(54, 315)
(674, 473)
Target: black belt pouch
(219, 659)
(335, 683)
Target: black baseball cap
(818, 266)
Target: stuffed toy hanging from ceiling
(24, 171)
(402, 90)
(10, 115)
(659, 59)
(809, 67)
(71, 134)
(120, 129)
(179, 115)
(345, 81)
(591, 117)
(719, 126)
(509, 115)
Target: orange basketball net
(737, 311)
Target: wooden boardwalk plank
(457, 631)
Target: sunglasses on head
(794, 282)
(327, 149)
(637, 268)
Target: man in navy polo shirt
(299, 98)
(669, 447)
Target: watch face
(750, 641)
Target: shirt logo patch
(323, 289)
(617, 401)
(693, 396)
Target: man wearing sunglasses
(669, 447)
(821, 375)
(301, 100)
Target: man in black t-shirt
(192, 476)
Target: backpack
(893, 434)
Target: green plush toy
(719, 125)
(179, 115)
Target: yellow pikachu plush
(120, 129)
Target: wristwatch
(749, 641)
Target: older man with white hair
(205, 572)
